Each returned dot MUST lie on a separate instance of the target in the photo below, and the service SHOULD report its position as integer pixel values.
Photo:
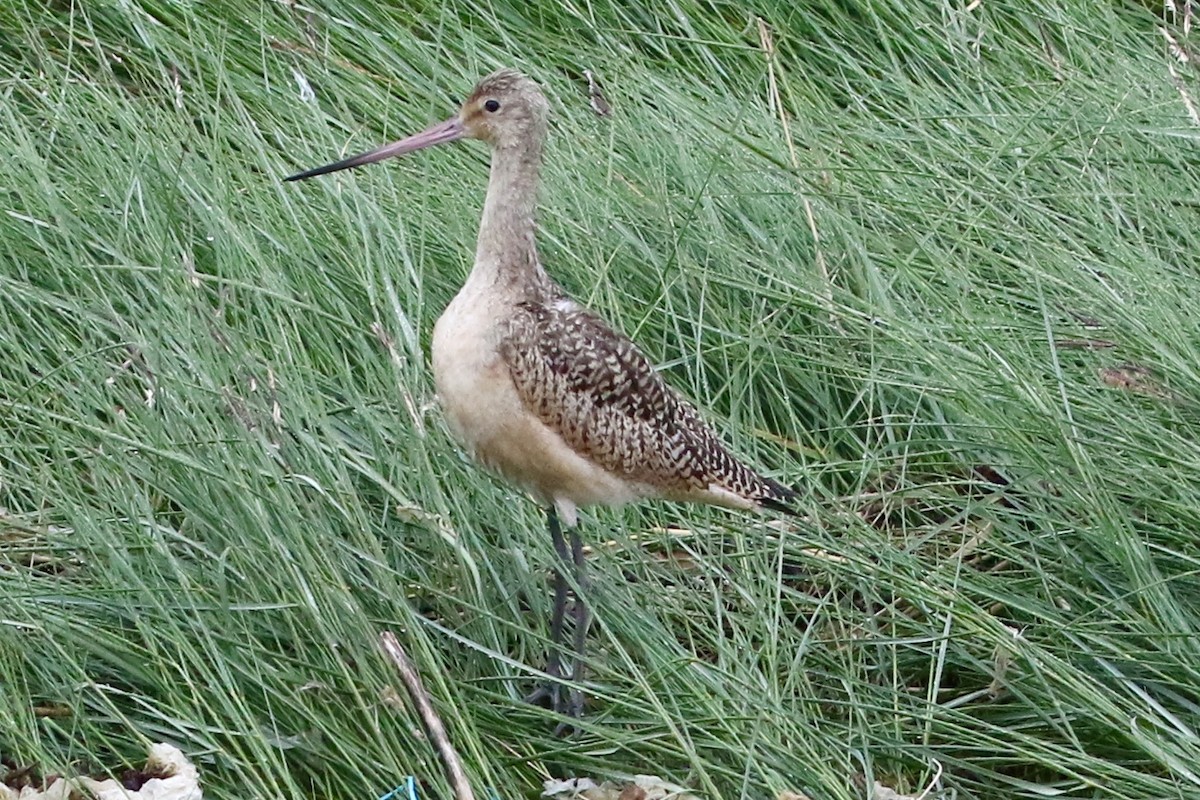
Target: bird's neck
(506, 257)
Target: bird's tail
(778, 497)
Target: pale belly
(487, 416)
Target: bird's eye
(492, 105)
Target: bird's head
(506, 109)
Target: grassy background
(866, 235)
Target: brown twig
(433, 723)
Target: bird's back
(595, 390)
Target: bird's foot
(568, 703)
(552, 695)
(546, 695)
(573, 711)
(549, 694)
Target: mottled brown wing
(593, 387)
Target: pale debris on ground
(648, 787)
(179, 782)
(642, 787)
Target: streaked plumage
(592, 387)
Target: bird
(541, 390)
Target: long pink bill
(441, 133)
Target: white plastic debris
(179, 781)
(563, 790)
(58, 790)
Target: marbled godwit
(541, 390)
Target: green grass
(222, 474)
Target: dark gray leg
(550, 694)
(583, 619)
(554, 663)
